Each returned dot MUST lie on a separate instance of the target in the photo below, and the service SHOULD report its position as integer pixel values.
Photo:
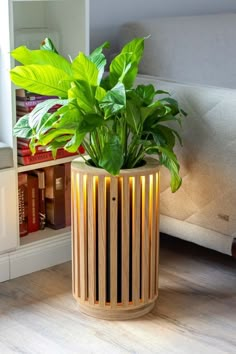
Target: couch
(193, 57)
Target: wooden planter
(115, 228)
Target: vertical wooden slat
(77, 235)
(136, 239)
(92, 239)
(113, 239)
(152, 235)
(145, 238)
(157, 228)
(74, 236)
(102, 240)
(83, 237)
(125, 220)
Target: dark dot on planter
(113, 198)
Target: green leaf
(133, 116)
(169, 160)
(112, 155)
(114, 100)
(85, 96)
(75, 142)
(146, 93)
(90, 123)
(100, 93)
(136, 47)
(47, 44)
(85, 70)
(123, 69)
(22, 128)
(41, 109)
(69, 117)
(153, 110)
(99, 59)
(41, 57)
(53, 134)
(41, 79)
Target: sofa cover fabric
(193, 58)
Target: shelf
(45, 164)
(42, 235)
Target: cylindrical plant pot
(115, 228)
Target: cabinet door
(8, 211)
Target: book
(68, 193)
(23, 204)
(33, 203)
(26, 151)
(24, 95)
(55, 196)
(43, 156)
(41, 191)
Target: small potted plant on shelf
(114, 189)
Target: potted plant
(115, 189)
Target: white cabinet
(24, 22)
(8, 211)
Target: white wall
(106, 16)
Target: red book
(68, 193)
(23, 203)
(33, 203)
(27, 151)
(43, 156)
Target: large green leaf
(22, 128)
(53, 134)
(146, 93)
(133, 116)
(41, 57)
(136, 47)
(74, 143)
(90, 123)
(85, 70)
(169, 160)
(112, 155)
(41, 79)
(85, 96)
(154, 110)
(41, 109)
(99, 59)
(114, 100)
(70, 118)
(123, 69)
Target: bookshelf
(28, 22)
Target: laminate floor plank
(195, 312)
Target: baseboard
(40, 255)
(4, 267)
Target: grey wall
(106, 16)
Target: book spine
(43, 156)
(68, 194)
(41, 191)
(25, 151)
(55, 196)
(22, 204)
(33, 203)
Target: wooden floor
(195, 313)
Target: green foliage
(117, 122)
